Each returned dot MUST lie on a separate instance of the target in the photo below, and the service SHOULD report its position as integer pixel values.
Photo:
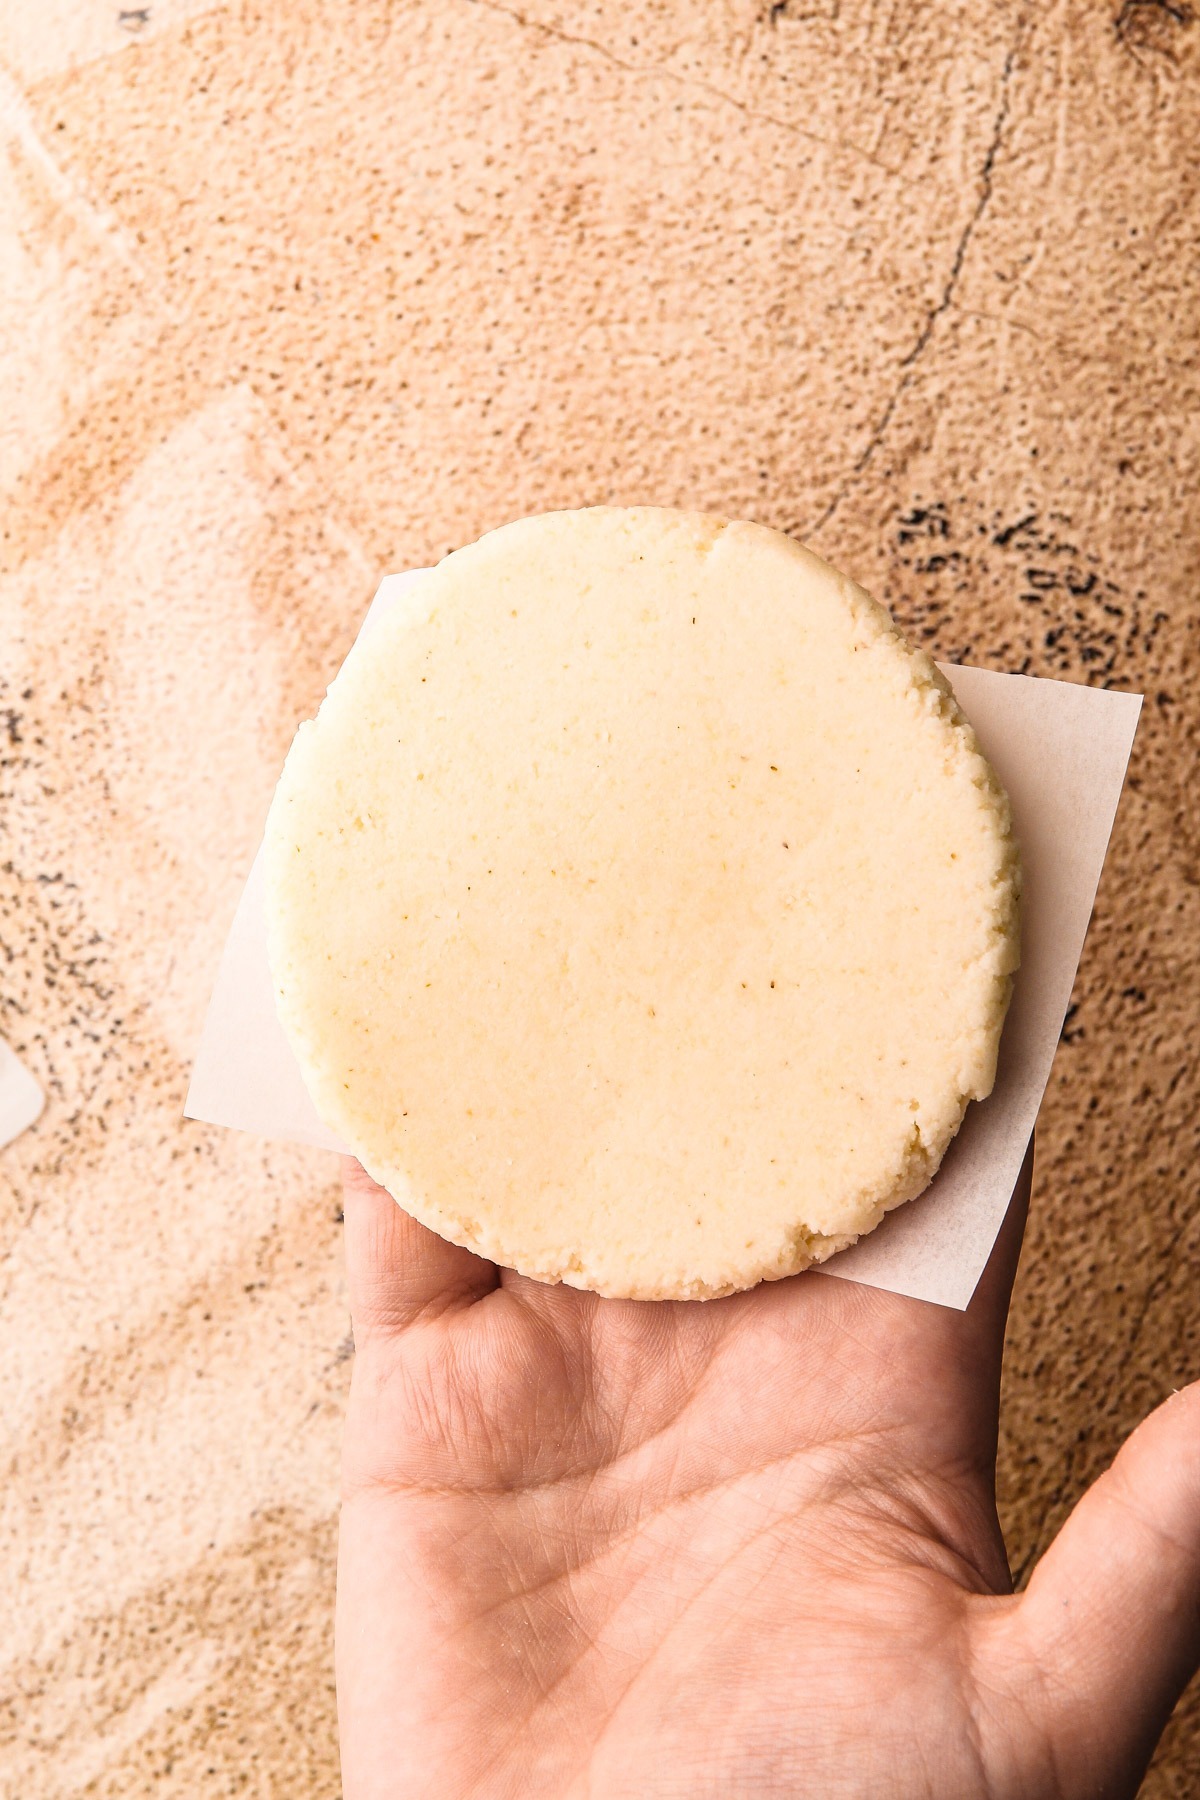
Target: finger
(973, 1341)
(990, 1301)
(397, 1270)
(1111, 1617)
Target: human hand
(740, 1547)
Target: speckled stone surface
(294, 294)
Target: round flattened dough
(642, 910)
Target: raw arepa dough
(641, 908)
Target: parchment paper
(1061, 751)
(21, 1099)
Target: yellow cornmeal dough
(641, 908)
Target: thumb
(1110, 1622)
(398, 1271)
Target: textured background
(292, 294)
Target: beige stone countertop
(295, 293)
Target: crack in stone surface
(656, 71)
(945, 300)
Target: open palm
(743, 1547)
